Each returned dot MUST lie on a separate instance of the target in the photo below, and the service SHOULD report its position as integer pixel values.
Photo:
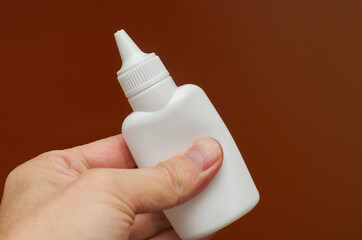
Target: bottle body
(156, 133)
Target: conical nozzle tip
(130, 52)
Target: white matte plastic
(165, 120)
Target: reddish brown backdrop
(285, 76)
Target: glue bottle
(165, 119)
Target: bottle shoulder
(188, 96)
(190, 87)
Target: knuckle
(25, 172)
(14, 175)
(173, 178)
(55, 156)
(50, 155)
(21, 175)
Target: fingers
(166, 185)
(148, 224)
(50, 172)
(111, 152)
(123, 193)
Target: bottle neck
(155, 97)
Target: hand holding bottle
(94, 192)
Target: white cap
(139, 70)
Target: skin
(95, 191)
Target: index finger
(111, 152)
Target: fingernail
(204, 153)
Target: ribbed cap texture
(142, 75)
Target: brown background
(285, 76)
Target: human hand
(94, 191)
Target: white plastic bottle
(168, 118)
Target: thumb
(169, 183)
(174, 181)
